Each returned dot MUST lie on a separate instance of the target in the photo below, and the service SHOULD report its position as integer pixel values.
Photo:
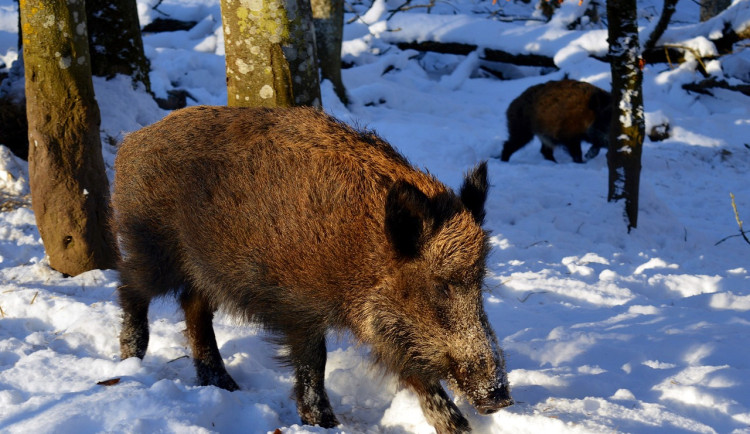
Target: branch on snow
(671, 48)
(676, 53)
(490, 54)
(664, 53)
(705, 86)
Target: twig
(737, 217)
(537, 243)
(156, 8)
(526, 297)
(355, 18)
(742, 233)
(2, 314)
(179, 358)
(726, 238)
(408, 6)
(693, 51)
(34, 297)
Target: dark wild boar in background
(293, 220)
(559, 113)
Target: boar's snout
(497, 399)
(485, 385)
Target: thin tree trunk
(666, 15)
(69, 188)
(711, 8)
(270, 53)
(628, 126)
(115, 41)
(20, 29)
(328, 16)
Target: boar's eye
(444, 289)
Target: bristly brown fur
(298, 222)
(560, 113)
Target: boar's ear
(474, 191)
(407, 210)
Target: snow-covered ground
(604, 331)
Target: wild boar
(293, 220)
(560, 113)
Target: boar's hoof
(222, 380)
(226, 382)
(322, 418)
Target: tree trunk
(628, 125)
(20, 29)
(328, 16)
(69, 188)
(270, 53)
(115, 41)
(666, 15)
(711, 8)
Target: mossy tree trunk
(69, 188)
(115, 41)
(628, 125)
(328, 16)
(270, 53)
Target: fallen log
(704, 86)
(490, 54)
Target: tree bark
(69, 188)
(628, 125)
(328, 16)
(270, 53)
(115, 42)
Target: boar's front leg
(574, 148)
(200, 332)
(308, 356)
(548, 148)
(438, 408)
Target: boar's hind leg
(134, 334)
(519, 134)
(147, 270)
(308, 356)
(200, 332)
(438, 408)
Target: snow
(603, 330)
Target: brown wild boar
(559, 112)
(293, 220)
